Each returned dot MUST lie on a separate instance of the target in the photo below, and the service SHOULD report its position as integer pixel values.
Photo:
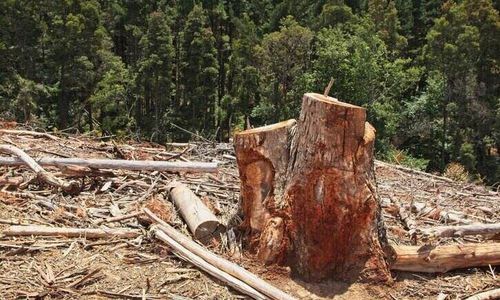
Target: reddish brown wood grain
(309, 194)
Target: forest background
(427, 71)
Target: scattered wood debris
(71, 263)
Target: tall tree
(364, 74)
(244, 73)
(286, 55)
(75, 33)
(155, 72)
(111, 95)
(335, 13)
(199, 74)
(464, 34)
(384, 15)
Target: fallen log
(91, 233)
(219, 262)
(201, 221)
(194, 259)
(459, 231)
(134, 165)
(486, 295)
(71, 187)
(309, 193)
(440, 259)
(27, 132)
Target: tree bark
(309, 195)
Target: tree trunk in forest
(88, 107)
(63, 104)
(309, 194)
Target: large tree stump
(309, 193)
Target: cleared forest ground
(144, 268)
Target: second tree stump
(309, 193)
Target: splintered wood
(309, 195)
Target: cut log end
(208, 230)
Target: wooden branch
(201, 221)
(178, 144)
(91, 233)
(412, 171)
(486, 295)
(12, 181)
(219, 262)
(121, 218)
(458, 231)
(194, 259)
(70, 187)
(431, 259)
(436, 213)
(27, 132)
(134, 165)
(328, 87)
(409, 222)
(77, 171)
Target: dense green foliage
(427, 71)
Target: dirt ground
(145, 268)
